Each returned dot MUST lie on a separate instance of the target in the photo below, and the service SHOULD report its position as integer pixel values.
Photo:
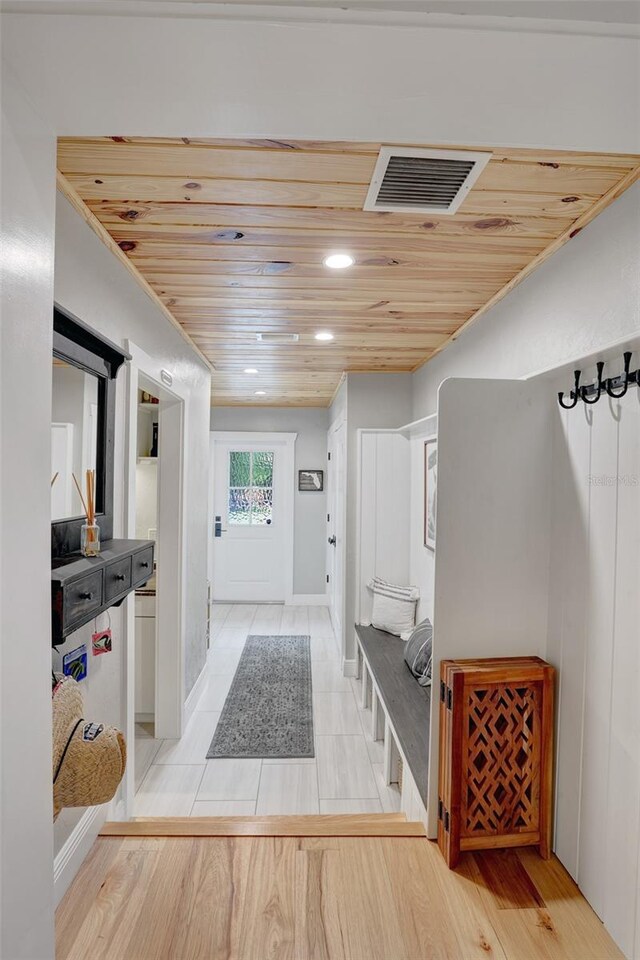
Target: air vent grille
(277, 337)
(423, 180)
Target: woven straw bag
(89, 759)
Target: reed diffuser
(89, 531)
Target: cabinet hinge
(446, 821)
(328, 456)
(446, 694)
(328, 518)
(327, 578)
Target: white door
(336, 530)
(253, 518)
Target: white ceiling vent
(277, 337)
(423, 181)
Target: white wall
(421, 558)
(310, 509)
(154, 77)
(91, 283)
(26, 335)
(370, 400)
(594, 617)
(583, 300)
(384, 519)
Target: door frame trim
(170, 602)
(288, 441)
(334, 428)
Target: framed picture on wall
(310, 481)
(430, 491)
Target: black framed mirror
(85, 366)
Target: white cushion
(394, 607)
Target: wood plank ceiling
(231, 236)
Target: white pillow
(394, 607)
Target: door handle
(217, 527)
(332, 540)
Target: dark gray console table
(83, 587)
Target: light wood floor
(321, 898)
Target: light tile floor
(174, 778)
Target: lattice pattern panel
(501, 756)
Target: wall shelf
(83, 587)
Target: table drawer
(82, 597)
(117, 578)
(142, 566)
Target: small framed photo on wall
(310, 481)
(430, 491)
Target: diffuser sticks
(90, 531)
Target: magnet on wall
(101, 642)
(74, 663)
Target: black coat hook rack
(590, 393)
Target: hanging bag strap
(66, 747)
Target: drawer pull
(144, 564)
(86, 595)
(119, 576)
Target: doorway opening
(253, 482)
(154, 680)
(146, 528)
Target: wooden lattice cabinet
(496, 755)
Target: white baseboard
(307, 600)
(68, 861)
(196, 691)
(350, 668)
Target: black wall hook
(586, 391)
(575, 393)
(622, 381)
(590, 393)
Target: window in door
(250, 487)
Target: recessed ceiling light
(338, 261)
(324, 335)
(251, 370)
(261, 393)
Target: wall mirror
(76, 400)
(82, 427)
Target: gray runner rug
(268, 711)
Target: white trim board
(75, 849)
(307, 600)
(196, 691)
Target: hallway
(346, 776)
